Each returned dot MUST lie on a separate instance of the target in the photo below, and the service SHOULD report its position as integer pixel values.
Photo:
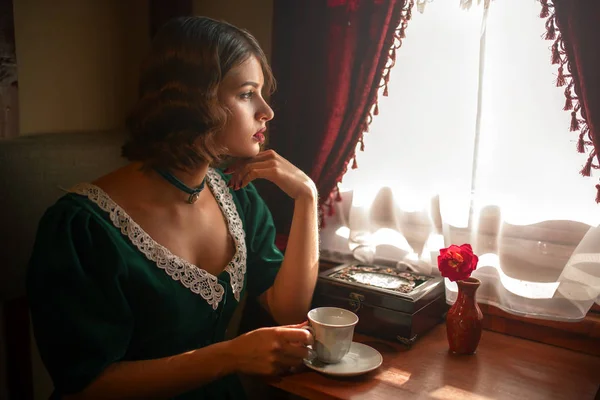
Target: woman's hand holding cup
(271, 351)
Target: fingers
(262, 156)
(277, 350)
(274, 168)
(264, 173)
(297, 326)
(295, 335)
(295, 352)
(250, 172)
(241, 162)
(291, 355)
(302, 326)
(288, 362)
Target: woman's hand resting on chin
(271, 166)
(271, 351)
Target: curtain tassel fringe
(581, 143)
(399, 34)
(560, 79)
(574, 122)
(338, 195)
(568, 99)
(559, 56)
(545, 11)
(550, 29)
(568, 103)
(587, 168)
(555, 52)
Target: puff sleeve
(76, 282)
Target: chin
(248, 152)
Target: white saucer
(359, 360)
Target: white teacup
(333, 330)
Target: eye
(247, 95)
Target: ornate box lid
(381, 286)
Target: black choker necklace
(194, 193)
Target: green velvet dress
(102, 291)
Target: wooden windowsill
(582, 336)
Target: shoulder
(73, 207)
(74, 224)
(73, 241)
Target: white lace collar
(192, 277)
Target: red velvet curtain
(329, 57)
(574, 25)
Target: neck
(191, 178)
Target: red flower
(457, 263)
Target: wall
(253, 15)
(78, 62)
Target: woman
(134, 277)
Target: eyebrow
(250, 83)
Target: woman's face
(240, 92)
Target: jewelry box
(391, 303)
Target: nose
(265, 113)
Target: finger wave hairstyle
(178, 115)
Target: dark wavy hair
(178, 114)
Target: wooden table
(504, 367)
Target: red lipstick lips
(260, 135)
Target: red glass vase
(464, 319)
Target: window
(472, 146)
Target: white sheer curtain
(471, 146)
